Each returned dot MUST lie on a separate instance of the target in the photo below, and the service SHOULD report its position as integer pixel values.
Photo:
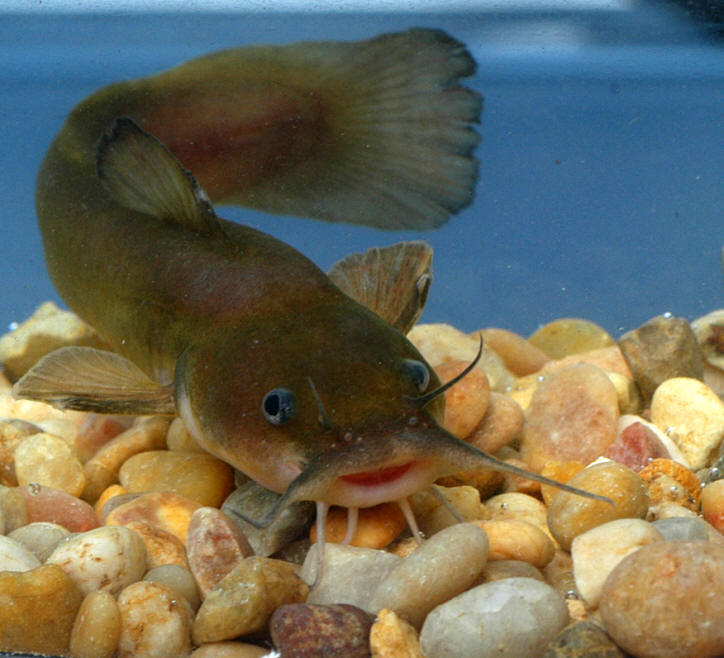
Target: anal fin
(88, 379)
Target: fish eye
(278, 405)
(418, 372)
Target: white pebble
(15, 557)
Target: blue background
(602, 187)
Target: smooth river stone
(582, 640)
(566, 336)
(682, 528)
(510, 539)
(508, 618)
(48, 460)
(573, 415)
(445, 565)
(665, 601)
(37, 609)
(466, 401)
(570, 515)
(161, 546)
(635, 446)
(432, 515)
(520, 356)
(14, 556)
(177, 578)
(55, 506)
(377, 526)
(155, 622)
(350, 574)
(692, 415)
(199, 477)
(106, 559)
(40, 538)
(712, 504)
(596, 553)
(503, 421)
(97, 627)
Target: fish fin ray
(140, 173)
(88, 379)
(391, 281)
(395, 148)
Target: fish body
(269, 364)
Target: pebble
(432, 515)
(672, 590)
(707, 330)
(560, 472)
(502, 569)
(596, 553)
(243, 602)
(97, 628)
(466, 401)
(97, 430)
(439, 343)
(573, 415)
(377, 526)
(164, 510)
(215, 546)
(350, 574)
(517, 507)
(37, 610)
(608, 358)
(170, 632)
(13, 510)
(712, 504)
(682, 528)
(503, 421)
(12, 433)
(55, 506)
(570, 515)
(582, 640)
(444, 566)
(301, 630)
(108, 493)
(101, 470)
(231, 650)
(40, 538)
(692, 415)
(511, 539)
(251, 500)
(199, 477)
(14, 556)
(520, 616)
(48, 460)
(635, 446)
(392, 637)
(520, 356)
(178, 579)
(106, 559)
(178, 438)
(669, 481)
(662, 348)
(161, 546)
(565, 336)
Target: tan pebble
(560, 472)
(502, 422)
(48, 460)
(577, 610)
(106, 559)
(243, 602)
(37, 609)
(520, 356)
(101, 470)
(570, 515)
(440, 343)
(432, 515)
(179, 579)
(672, 591)
(97, 430)
(521, 392)
(97, 628)
(12, 433)
(108, 493)
(161, 546)
(200, 477)
(168, 511)
(230, 650)
(566, 336)
(596, 553)
(518, 507)
(712, 504)
(502, 569)
(13, 509)
(669, 481)
(392, 637)
(170, 632)
(178, 438)
(15, 556)
(466, 401)
(40, 538)
(558, 573)
(215, 546)
(573, 415)
(607, 358)
(629, 398)
(518, 540)
(485, 480)
(692, 415)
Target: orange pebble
(656, 469)
(108, 493)
(467, 401)
(377, 526)
(712, 504)
(560, 472)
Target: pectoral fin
(88, 379)
(391, 281)
(140, 173)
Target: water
(602, 182)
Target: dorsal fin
(88, 379)
(140, 173)
(391, 281)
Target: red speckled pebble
(46, 504)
